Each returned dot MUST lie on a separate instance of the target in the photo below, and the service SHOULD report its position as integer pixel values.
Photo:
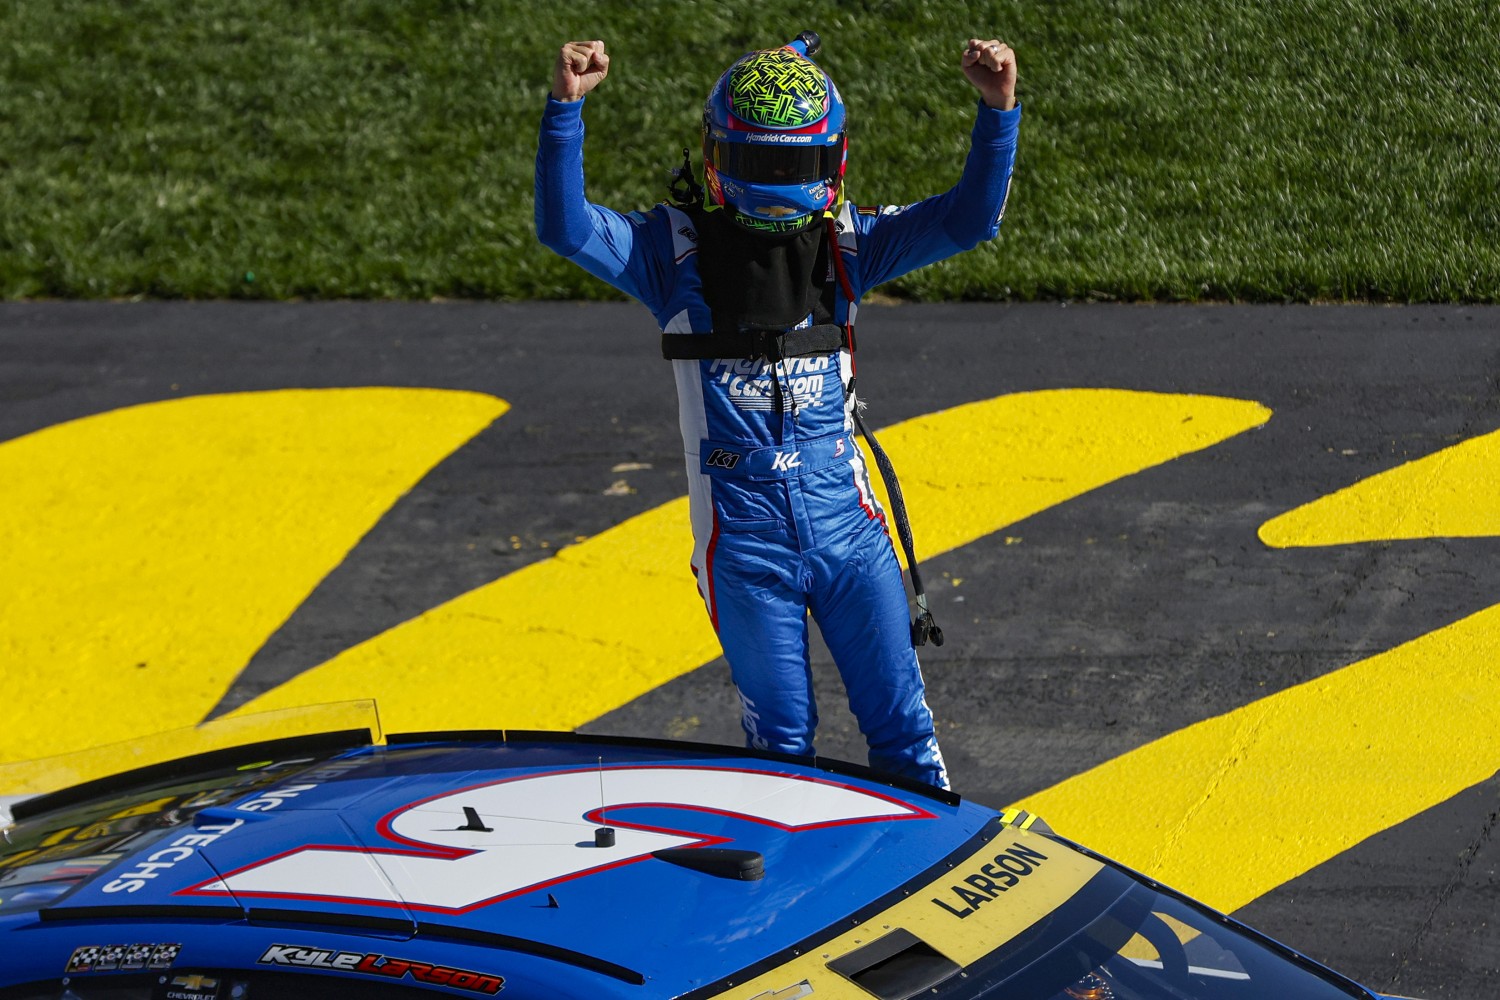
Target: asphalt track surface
(1099, 626)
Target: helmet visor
(754, 163)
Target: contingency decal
(167, 857)
(529, 830)
(376, 964)
(122, 957)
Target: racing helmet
(774, 141)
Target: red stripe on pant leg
(708, 567)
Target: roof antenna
(473, 822)
(604, 836)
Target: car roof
(478, 853)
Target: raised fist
(991, 67)
(579, 68)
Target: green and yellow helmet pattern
(777, 88)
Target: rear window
(44, 856)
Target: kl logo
(787, 460)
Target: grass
(1170, 150)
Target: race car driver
(756, 291)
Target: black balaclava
(755, 280)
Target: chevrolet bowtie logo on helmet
(773, 139)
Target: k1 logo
(540, 831)
(721, 459)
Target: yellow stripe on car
(979, 904)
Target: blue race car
(554, 865)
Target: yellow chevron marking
(971, 470)
(1232, 807)
(148, 552)
(1454, 493)
(1336, 760)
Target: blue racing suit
(784, 520)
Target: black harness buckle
(768, 344)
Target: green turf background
(1170, 150)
